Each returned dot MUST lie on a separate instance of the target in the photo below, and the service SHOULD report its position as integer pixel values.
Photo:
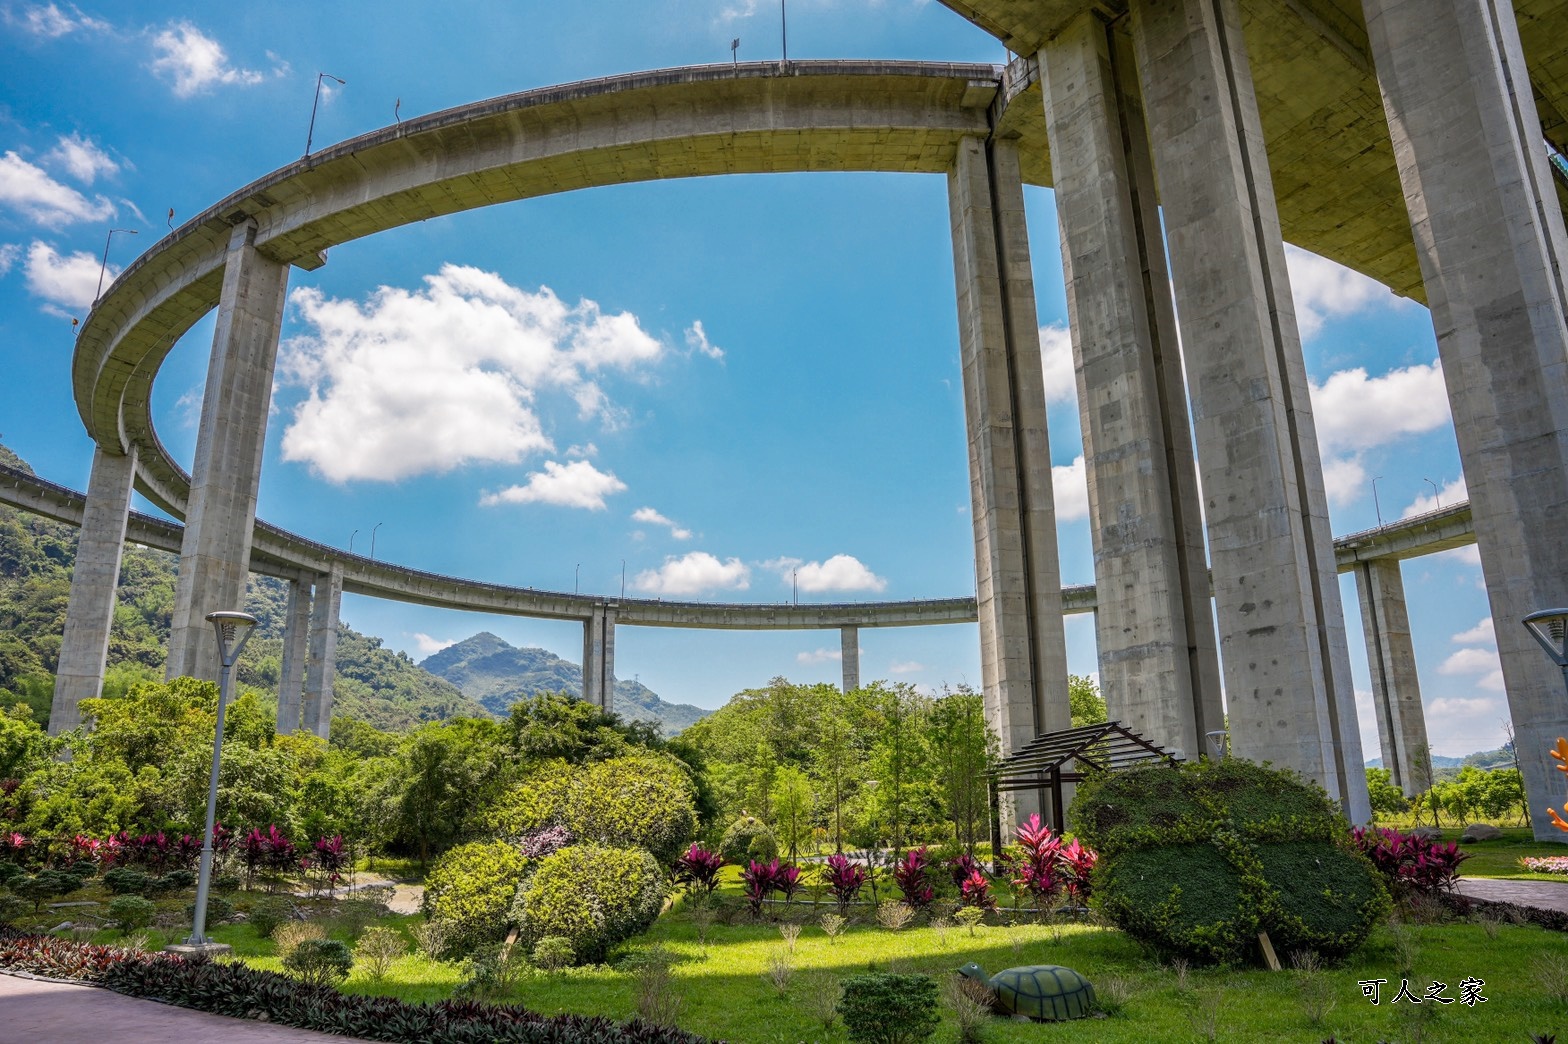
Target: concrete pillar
(323, 652)
(215, 553)
(1396, 689)
(1492, 247)
(1023, 656)
(1280, 622)
(296, 651)
(1158, 666)
(849, 646)
(89, 615)
(599, 657)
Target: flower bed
(1545, 864)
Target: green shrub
(1182, 900)
(11, 907)
(219, 909)
(122, 880)
(882, 1008)
(226, 883)
(535, 802)
(320, 962)
(592, 896)
(643, 801)
(131, 912)
(552, 953)
(469, 891)
(44, 886)
(748, 838)
(377, 950)
(10, 871)
(1321, 898)
(267, 914)
(177, 879)
(83, 869)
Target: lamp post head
(1550, 628)
(1216, 743)
(234, 630)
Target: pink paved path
(36, 1012)
(1543, 895)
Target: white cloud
(697, 341)
(32, 191)
(906, 667)
(1473, 662)
(82, 158)
(1463, 725)
(1070, 489)
(654, 518)
(1451, 494)
(49, 20)
(411, 382)
(838, 573)
(693, 573)
(1344, 479)
(1480, 634)
(9, 252)
(1056, 357)
(1355, 412)
(816, 656)
(429, 646)
(66, 282)
(1323, 290)
(578, 484)
(193, 61)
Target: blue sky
(719, 382)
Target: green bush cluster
(469, 892)
(1195, 860)
(269, 913)
(131, 912)
(746, 839)
(591, 895)
(320, 962)
(883, 1008)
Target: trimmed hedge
(747, 839)
(1195, 860)
(469, 891)
(884, 1008)
(592, 896)
(642, 801)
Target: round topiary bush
(531, 804)
(469, 891)
(1321, 898)
(592, 896)
(644, 801)
(748, 838)
(320, 962)
(131, 912)
(1186, 899)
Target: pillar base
(200, 951)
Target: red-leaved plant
(910, 876)
(1411, 865)
(698, 869)
(975, 890)
(961, 867)
(845, 880)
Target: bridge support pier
(296, 651)
(323, 652)
(1396, 688)
(1489, 234)
(849, 650)
(215, 553)
(599, 657)
(1023, 657)
(1281, 624)
(89, 615)
(1154, 627)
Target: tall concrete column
(1490, 238)
(599, 657)
(317, 713)
(215, 552)
(1158, 666)
(849, 648)
(1281, 625)
(1396, 688)
(89, 615)
(296, 651)
(1023, 657)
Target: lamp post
(1550, 628)
(234, 630)
(1216, 744)
(373, 529)
(104, 264)
(311, 135)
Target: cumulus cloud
(653, 518)
(697, 341)
(9, 252)
(64, 281)
(1070, 490)
(52, 21)
(429, 646)
(82, 158)
(31, 191)
(412, 382)
(578, 484)
(694, 573)
(1344, 479)
(839, 573)
(817, 656)
(1480, 634)
(1056, 356)
(192, 61)
(1481, 664)
(1356, 412)
(1323, 290)
(1450, 494)
(906, 667)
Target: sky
(737, 389)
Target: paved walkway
(1543, 895)
(33, 1011)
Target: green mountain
(497, 674)
(377, 685)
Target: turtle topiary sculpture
(1037, 991)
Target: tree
(964, 749)
(835, 760)
(447, 768)
(899, 757)
(1085, 701)
(793, 802)
(1387, 799)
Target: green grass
(1500, 858)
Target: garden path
(1542, 895)
(64, 1013)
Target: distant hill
(488, 669)
(1439, 761)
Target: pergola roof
(1104, 747)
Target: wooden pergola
(1056, 758)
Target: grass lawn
(1500, 858)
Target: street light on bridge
(1550, 628)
